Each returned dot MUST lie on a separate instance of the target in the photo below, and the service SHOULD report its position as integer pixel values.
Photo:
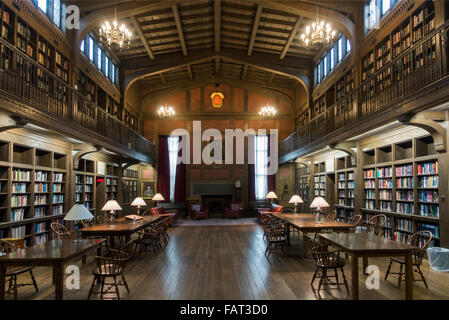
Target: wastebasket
(438, 259)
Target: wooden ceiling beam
(292, 36)
(190, 72)
(255, 27)
(163, 79)
(179, 28)
(244, 72)
(217, 24)
(142, 37)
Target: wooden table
(305, 222)
(52, 253)
(368, 245)
(119, 227)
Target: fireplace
(216, 204)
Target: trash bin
(438, 259)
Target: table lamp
(78, 213)
(296, 199)
(158, 197)
(271, 195)
(318, 203)
(111, 206)
(138, 202)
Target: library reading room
(224, 150)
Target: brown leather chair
(235, 211)
(275, 208)
(196, 212)
(172, 213)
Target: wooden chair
(87, 223)
(60, 231)
(146, 212)
(355, 221)
(276, 238)
(376, 225)
(12, 273)
(332, 215)
(112, 265)
(420, 240)
(326, 260)
(101, 219)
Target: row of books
(385, 205)
(404, 207)
(19, 201)
(40, 200)
(58, 198)
(404, 170)
(368, 174)
(370, 184)
(39, 212)
(58, 209)
(40, 187)
(385, 195)
(406, 195)
(428, 182)
(370, 194)
(405, 183)
(40, 227)
(428, 196)
(40, 176)
(42, 238)
(19, 187)
(428, 168)
(404, 225)
(21, 175)
(57, 187)
(17, 214)
(18, 232)
(384, 172)
(58, 177)
(385, 183)
(429, 210)
(430, 227)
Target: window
(260, 166)
(375, 11)
(91, 49)
(106, 66)
(385, 6)
(173, 143)
(340, 49)
(57, 12)
(99, 52)
(54, 10)
(82, 46)
(42, 4)
(113, 73)
(332, 58)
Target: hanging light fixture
(319, 33)
(115, 36)
(268, 111)
(166, 111)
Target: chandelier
(319, 33)
(114, 35)
(268, 111)
(166, 111)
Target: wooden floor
(228, 262)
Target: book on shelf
(57, 187)
(18, 232)
(58, 177)
(58, 198)
(429, 210)
(428, 196)
(428, 182)
(19, 187)
(17, 214)
(404, 207)
(19, 201)
(39, 212)
(40, 199)
(428, 167)
(21, 175)
(41, 187)
(58, 209)
(40, 176)
(404, 225)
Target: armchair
(275, 208)
(235, 211)
(172, 213)
(197, 213)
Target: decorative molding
(83, 149)
(346, 147)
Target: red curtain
(163, 173)
(180, 182)
(251, 171)
(271, 179)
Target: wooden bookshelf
(85, 184)
(33, 192)
(303, 186)
(401, 181)
(130, 187)
(62, 66)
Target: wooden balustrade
(33, 84)
(406, 76)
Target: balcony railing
(417, 68)
(29, 81)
